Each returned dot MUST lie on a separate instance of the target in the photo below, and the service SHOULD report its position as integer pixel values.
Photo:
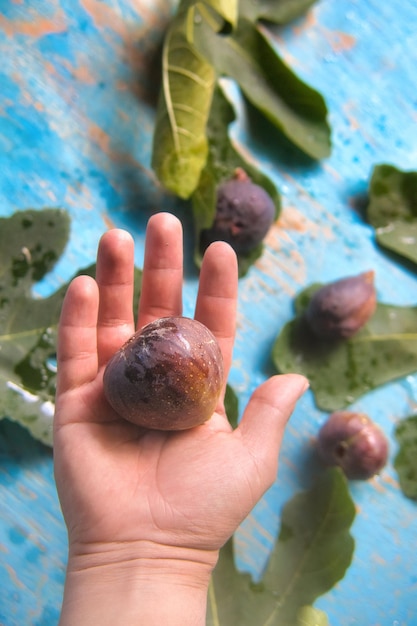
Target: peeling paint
(38, 26)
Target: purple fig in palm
(168, 376)
(353, 442)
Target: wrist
(140, 584)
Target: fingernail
(304, 384)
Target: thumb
(266, 415)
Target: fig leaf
(31, 242)
(339, 372)
(227, 9)
(248, 57)
(405, 461)
(276, 11)
(313, 550)
(231, 405)
(208, 40)
(180, 145)
(392, 210)
(309, 616)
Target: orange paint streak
(284, 272)
(341, 42)
(26, 96)
(308, 23)
(13, 577)
(292, 219)
(79, 194)
(150, 11)
(83, 74)
(347, 109)
(122, 85)
(378, 559)
(108, 222)
(332, 171)
(354, 124)
(49, 68)
(307, 197)
(386, 478)
(100, 138)
(123, 116)
(37, 27)
(104, 16)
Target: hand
(149, 501)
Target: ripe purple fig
(168, 376)
(353, 442)
(338, 310)
(244, 214)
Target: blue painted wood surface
(77, 87)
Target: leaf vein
(182, 71)
(180, 106)
(388, 337)
(298, 572)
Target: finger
(77, 338)
(217, 296)
(161, 293)
(115, 278)
(264, 420)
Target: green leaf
(309, 616)
(314, 547)
(226, 590)
(276, 11)
(339, 372)
(399, 237)
(392, 209)
(223, 159)
(231, 405)
(197, 51)
(311, 555)
(30, 244)
(179, 142)
(227, 9)
(405, 461)
(248, 57)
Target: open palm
(121, 484)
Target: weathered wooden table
(76, 122)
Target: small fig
(168, 376)
(244, 214)
(353, 442)
(338, 310)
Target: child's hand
(152, 508)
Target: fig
(353, 442)
(167, 376)
(244, 214)
(338, 310)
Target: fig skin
(338, 310)
(167, 376)
(353, 442)
(244, 214)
